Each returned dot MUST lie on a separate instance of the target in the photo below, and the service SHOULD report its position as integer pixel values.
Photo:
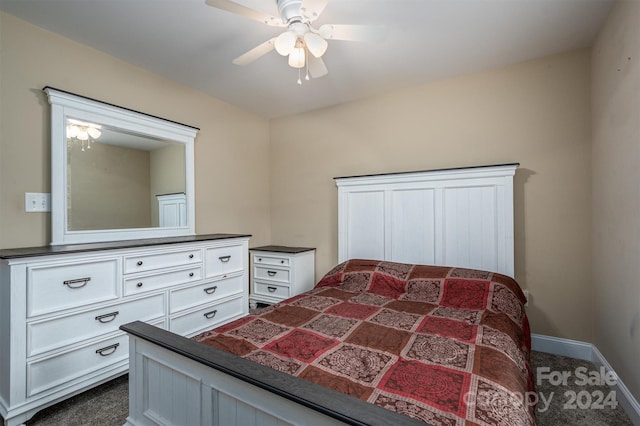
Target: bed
(378, 341)
(437, 345)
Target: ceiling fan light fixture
(316, 44)
(82, 131)
(285, 43)
(301, 42)
(297, 57)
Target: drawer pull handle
(77, 283)
(139, 263)
(211, 290)
(282, 261)
(211, 314)
(107, 317)
(191, 256)
(272, 273)
(224, 259)
(108, 350)
(259, 259)
(139, 285)
(190, 274)
(272, 289)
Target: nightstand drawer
(148, 262)
(142, 283)
(271, 290)
(53, 288)
(46, 335)
(190, 297)
(271, 260)
(272, 274)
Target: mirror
(120, 169)
(117, 174)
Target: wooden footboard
(174, 380)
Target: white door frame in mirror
(64, 105)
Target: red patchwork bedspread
(448, 346)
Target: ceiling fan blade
(238, 9)
(311, 9)
(255, 53)
(352, 32)
(317, 68)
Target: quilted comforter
(448, 346)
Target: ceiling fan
(301, 42)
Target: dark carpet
(581, 397)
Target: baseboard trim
(588, 352)
(564, 347)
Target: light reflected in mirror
(120, 180)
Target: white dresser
(280, 272)
(61, 308)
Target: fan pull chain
(306, 62)
(299, 80)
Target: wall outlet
(37, 202)
(526, 295)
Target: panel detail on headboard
(454, 217)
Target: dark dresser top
(282, 249)
(111, 245)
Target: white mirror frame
(64, 105)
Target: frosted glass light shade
(72, 131)
(296, 57)
(285, 43)
(316, 44)
(94, 133)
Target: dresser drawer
(208, 292)
(56, 333)
(224, 260)
(137, 284)
(46, 373)
(207, 317)
(271, 260)
(52, 288)
(271, 290)
(272, 274)
(147, 262)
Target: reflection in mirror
(117, 174)
(115, 178)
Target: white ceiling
(192, 43)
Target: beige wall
(536, 113)
(616, 193)
(232, 185)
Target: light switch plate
(37, 202)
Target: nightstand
(280, 272)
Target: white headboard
(453, 217)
